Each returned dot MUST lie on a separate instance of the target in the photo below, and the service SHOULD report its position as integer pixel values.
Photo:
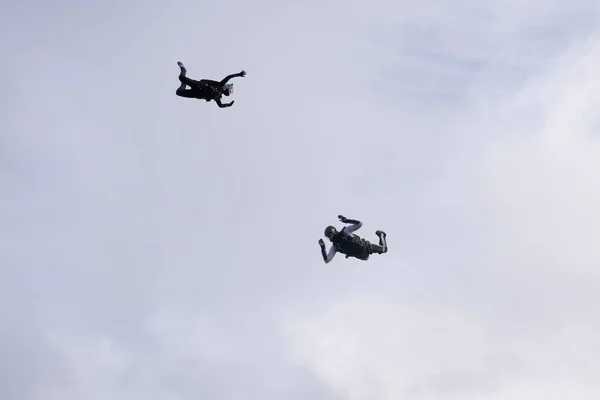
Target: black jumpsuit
(204, 89)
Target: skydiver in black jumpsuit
(346, 242)
(206, 89)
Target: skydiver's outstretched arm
(224, 105)
(228, 77)
(327, 256)
(356, 225)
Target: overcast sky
(155, 247)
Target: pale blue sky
(156, 247)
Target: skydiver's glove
(347, 221)
(230, 104)
(243, 73)
(323, 250)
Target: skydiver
(206, 89)
(346, 242)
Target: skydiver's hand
(343, 219)
(321, 243)
(243, 73)
(230, 104)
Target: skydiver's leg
(382, 248)
(184, 79)
(181, 91)
(378, 249)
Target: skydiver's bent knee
(378, 249)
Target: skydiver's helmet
(228, 89)
(330, 232)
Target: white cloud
(539, 184)
(155, 246)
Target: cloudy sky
(154, 247)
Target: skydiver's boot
(382, 241)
